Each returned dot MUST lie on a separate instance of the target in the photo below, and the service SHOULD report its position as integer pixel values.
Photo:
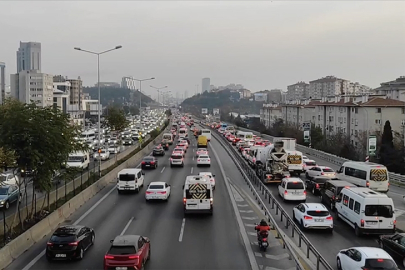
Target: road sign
(372, 145)
(307, 136)
(306, 125)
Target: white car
(245, 152)
(308, 164)
(305, 158)
(114, 149)
(211, 177)
(203, 160)
(359, 258)
(184, 142)
(292, 189)
(179, 151)
(9, 179)
(157, 191)
(177, 159)
(104, 155)
(313, 216)
(320, 171)
(201, 151)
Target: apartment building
(32, 86)
(274, 96)
(76, 90)
(298, 112)
(328, 86)
(269, 114)
(393, 89)
(297, 91)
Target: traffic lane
(108, 219)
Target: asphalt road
(13, 206)
(207, 242)
(343, 236)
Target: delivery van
(202, 142)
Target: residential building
(328, 86)
(297, 91)
(108, 84)
(359, 89)
(274, 96)
(298, 112)
(60, 83)
(29, 56)
(393, 89)
(232, 86)
(269, 114)
(2, 82)
(32, 86)
(244, 93)
(260, 97)
(60, 100)
(76, 90)
(206, 82)
(128, 83)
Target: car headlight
(2, 202)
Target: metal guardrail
(394, 177)
(254, 183)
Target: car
(113, 148)
(201, 151)
(363, 258)
(308, 164)
(313, 216)
(185, 142)
(304, 158)
(157, 191)
(292, 189)
(177, 159)
(203, 160)
(210, 176)
(179, 151)
(320, 171)
(9, 179)
(127, 252)
(149, 162)
(182, 146)
(103, 155)
(316, 184)
(8, 195)
(394, 245)
(158, 151)
(245, 152)
(69, 242)
(330, 192)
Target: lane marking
(127, 226)
(192, 168)
(182, 230)
(163, 170)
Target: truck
(271, 163)
(294, 160)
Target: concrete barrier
(55, 218)
(20, 244)
(40, 230)
(5, 257)
(68, 209)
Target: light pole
(158, 89)
(99, 93)
(140, 96)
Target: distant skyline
(262, 45)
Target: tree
(116, 118)
(316, 136)
(168, 113)
(131, 110)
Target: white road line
(163, 170)
(192, 168)
(182, 230)
(193, 157)
(127, 226)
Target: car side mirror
(147, 240)
(111, 241)
(213, 175)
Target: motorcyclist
(262, 229)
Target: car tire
(307, 176)
(403, 262)
(338, 264)
(330, 231)
(7, 205)
(81, 254)
(119, 191)
(302, 225)
(313, 190)
(293, 215)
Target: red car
(127, 252)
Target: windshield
(167, 137)
(3, 191)
(295, 185)
(63, 238)
(148, 159)
(318, 213)
(156, 187)
(310, 163)
(203, 156)
(250, 136)
(380, 264)
(126, 177)
(75, 159)
(379, 211)
(327, 170)
(177, 157)
(122, 250)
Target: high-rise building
(2, 81)
(206, 82)
(274, 96)
(32, 86)
(76, 90)
(29, 56)
(128, 83)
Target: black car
(394, 245)
(158, 150)
(27, 172)
(316, 184)
(149, 162)
(69, 242)
(331, 190)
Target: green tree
(116, 119)
(316, 136)
(168, 112)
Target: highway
(13, 206)
(194, 242)
(343, 235)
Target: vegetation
(168, 113)
(118, 96)
(116, 119)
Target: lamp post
(99, 93)
(140, 96)
(158, 89)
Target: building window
(378, 110)
(378, 121)
(403, 110)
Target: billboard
(204, 111)
(260, 97)
(215, 111)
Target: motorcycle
(262, 240)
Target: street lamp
(99, 93)
(158, 89)
(140, 96)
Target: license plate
(60, 256)
(318, 220)
(372, 222)
(121, 268)
(147, 165)
(192, 205)
(126, 187)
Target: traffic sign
(306, 125)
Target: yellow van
(202, 142)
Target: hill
(117, 96)
(225, 100)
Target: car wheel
(403, 262)
(93, 238)
(81, 254)
(119, 191)
(302, 224)
(381, 244)
(357, 230)
(338, 264)
(332, 206)
(313, 190)
(7, 205)
(293, 215)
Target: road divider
(36, 233)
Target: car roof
(157, 183)
(341, 183)
(292, 179)
(310, 160)
(205, 173)
(126, 240)
(315, 206)
(372, 252)
(68, 229)
(324, 167)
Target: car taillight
(149, 192)
(211, 200)
(362, 223)
(162, 192)
(152, 162)
(307, 217)
(74, 243)
(171, 159)
(49, 244)
(305, 192)
(322, 173)
(143, 162)
(198, 159)
(368, 183)
(133, 257)
(108, 257)
(285, 192)
(380, 260)
(329, 218)
(209, 159)
(317, 185)
(184, 200)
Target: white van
(198, 195)
(365, 174)
(206, 133)
(244, 136)
(292, 189)
(168, 137)
(130, 180)
(367, 211)
(183, 133)
(79, 160)
(88, 135)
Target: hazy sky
(262, 45)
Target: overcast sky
(262, 45)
